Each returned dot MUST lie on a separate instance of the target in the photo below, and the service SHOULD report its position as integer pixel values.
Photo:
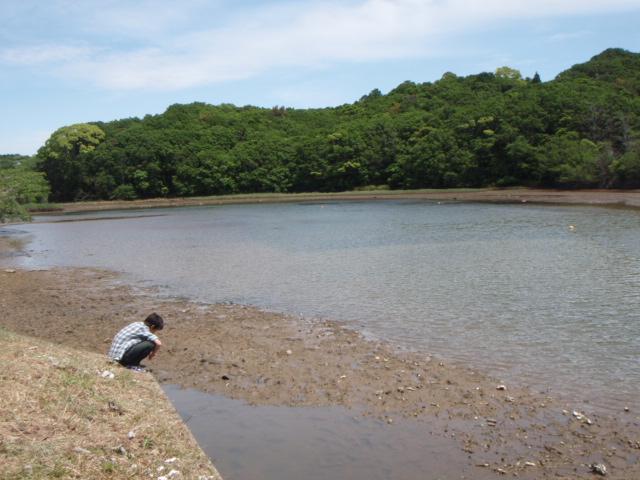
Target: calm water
(264, 443)
(508, 288)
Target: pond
(546, 296)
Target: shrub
(124, 192)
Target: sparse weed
(55, 419)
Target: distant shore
(272, 359)
(602, 197)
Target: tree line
(578, 130)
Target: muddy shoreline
(602, 197)
(272, 359)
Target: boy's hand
(155, 349)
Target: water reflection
(266, 443)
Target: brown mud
(272, 359)
(624, 198)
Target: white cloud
(142, 18)
(45, 54)
(564, 36)
(301, 34)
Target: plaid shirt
(129, 336)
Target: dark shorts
(135, 354)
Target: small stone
(225, 377)
(108, 374)
(173, 474)
(289, 352)
(131, 435)
(598, 468)
(120, 449)
(501, 387)
(626, 409)
(582, 417)
(160, 468)
(529, 464)
(389, 421)
(9, 270)
(171, 460)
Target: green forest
(581, 129)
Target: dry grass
(60, 418)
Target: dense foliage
(578, 130)
(19, 186)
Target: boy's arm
(157, 345)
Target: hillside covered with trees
(20, 187)
(581, 129)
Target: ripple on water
(508, 288)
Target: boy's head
(154, 321)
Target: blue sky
(71, 61)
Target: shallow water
(507, 288)
(260, 443)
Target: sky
(73, 61)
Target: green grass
(42, 207)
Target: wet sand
(272, 359)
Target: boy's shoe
(136, 368)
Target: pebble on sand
(599, 468)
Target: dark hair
(154, 320)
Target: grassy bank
(71, 414)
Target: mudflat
(268, 358)
(625, 198)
